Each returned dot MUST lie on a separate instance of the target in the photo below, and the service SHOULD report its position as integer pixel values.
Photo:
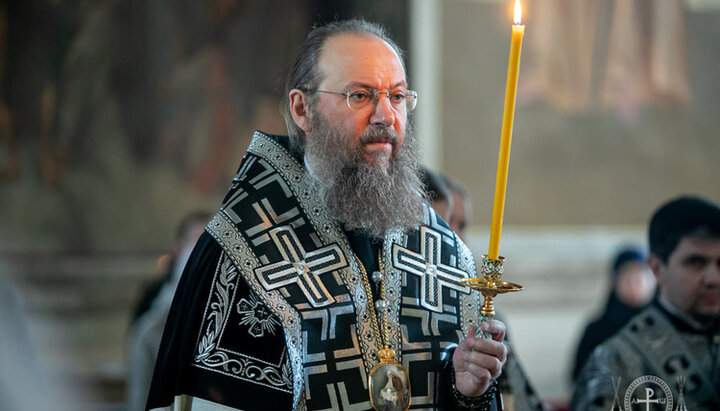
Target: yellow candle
(506, 134)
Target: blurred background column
(424, 57)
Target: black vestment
(271, 312)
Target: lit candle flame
(517, 16)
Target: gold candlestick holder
(489, 284)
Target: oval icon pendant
(389, 384)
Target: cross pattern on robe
(433, 274)
(301, 267)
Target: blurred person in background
(23, 386)
(677, 337)
(632, 288)
(25, 382)
(449, 199)
(437, 191)
(460, 207)
(152, 310)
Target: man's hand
(478, 361)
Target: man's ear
(656, 265)
(299, 109)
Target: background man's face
(691, 278)
(442, 207)
(635, 284)
(352, 62)
(459, 215)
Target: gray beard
(374, 199)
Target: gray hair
(306, 76)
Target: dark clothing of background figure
(656, 342)
(150, 292)
(615, 316)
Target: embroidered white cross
(303, 268)
(433, 274)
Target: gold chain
(384, 337)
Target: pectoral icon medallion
(389, 384)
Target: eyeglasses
(361, 98)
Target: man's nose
(712, 274)
(383, 114)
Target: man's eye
(359, 97)
(695, 262)
(397, 97)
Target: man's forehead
(693, 244)
(356, 55)
(361, 44)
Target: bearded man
(325, 268)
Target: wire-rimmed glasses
(360, 98)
